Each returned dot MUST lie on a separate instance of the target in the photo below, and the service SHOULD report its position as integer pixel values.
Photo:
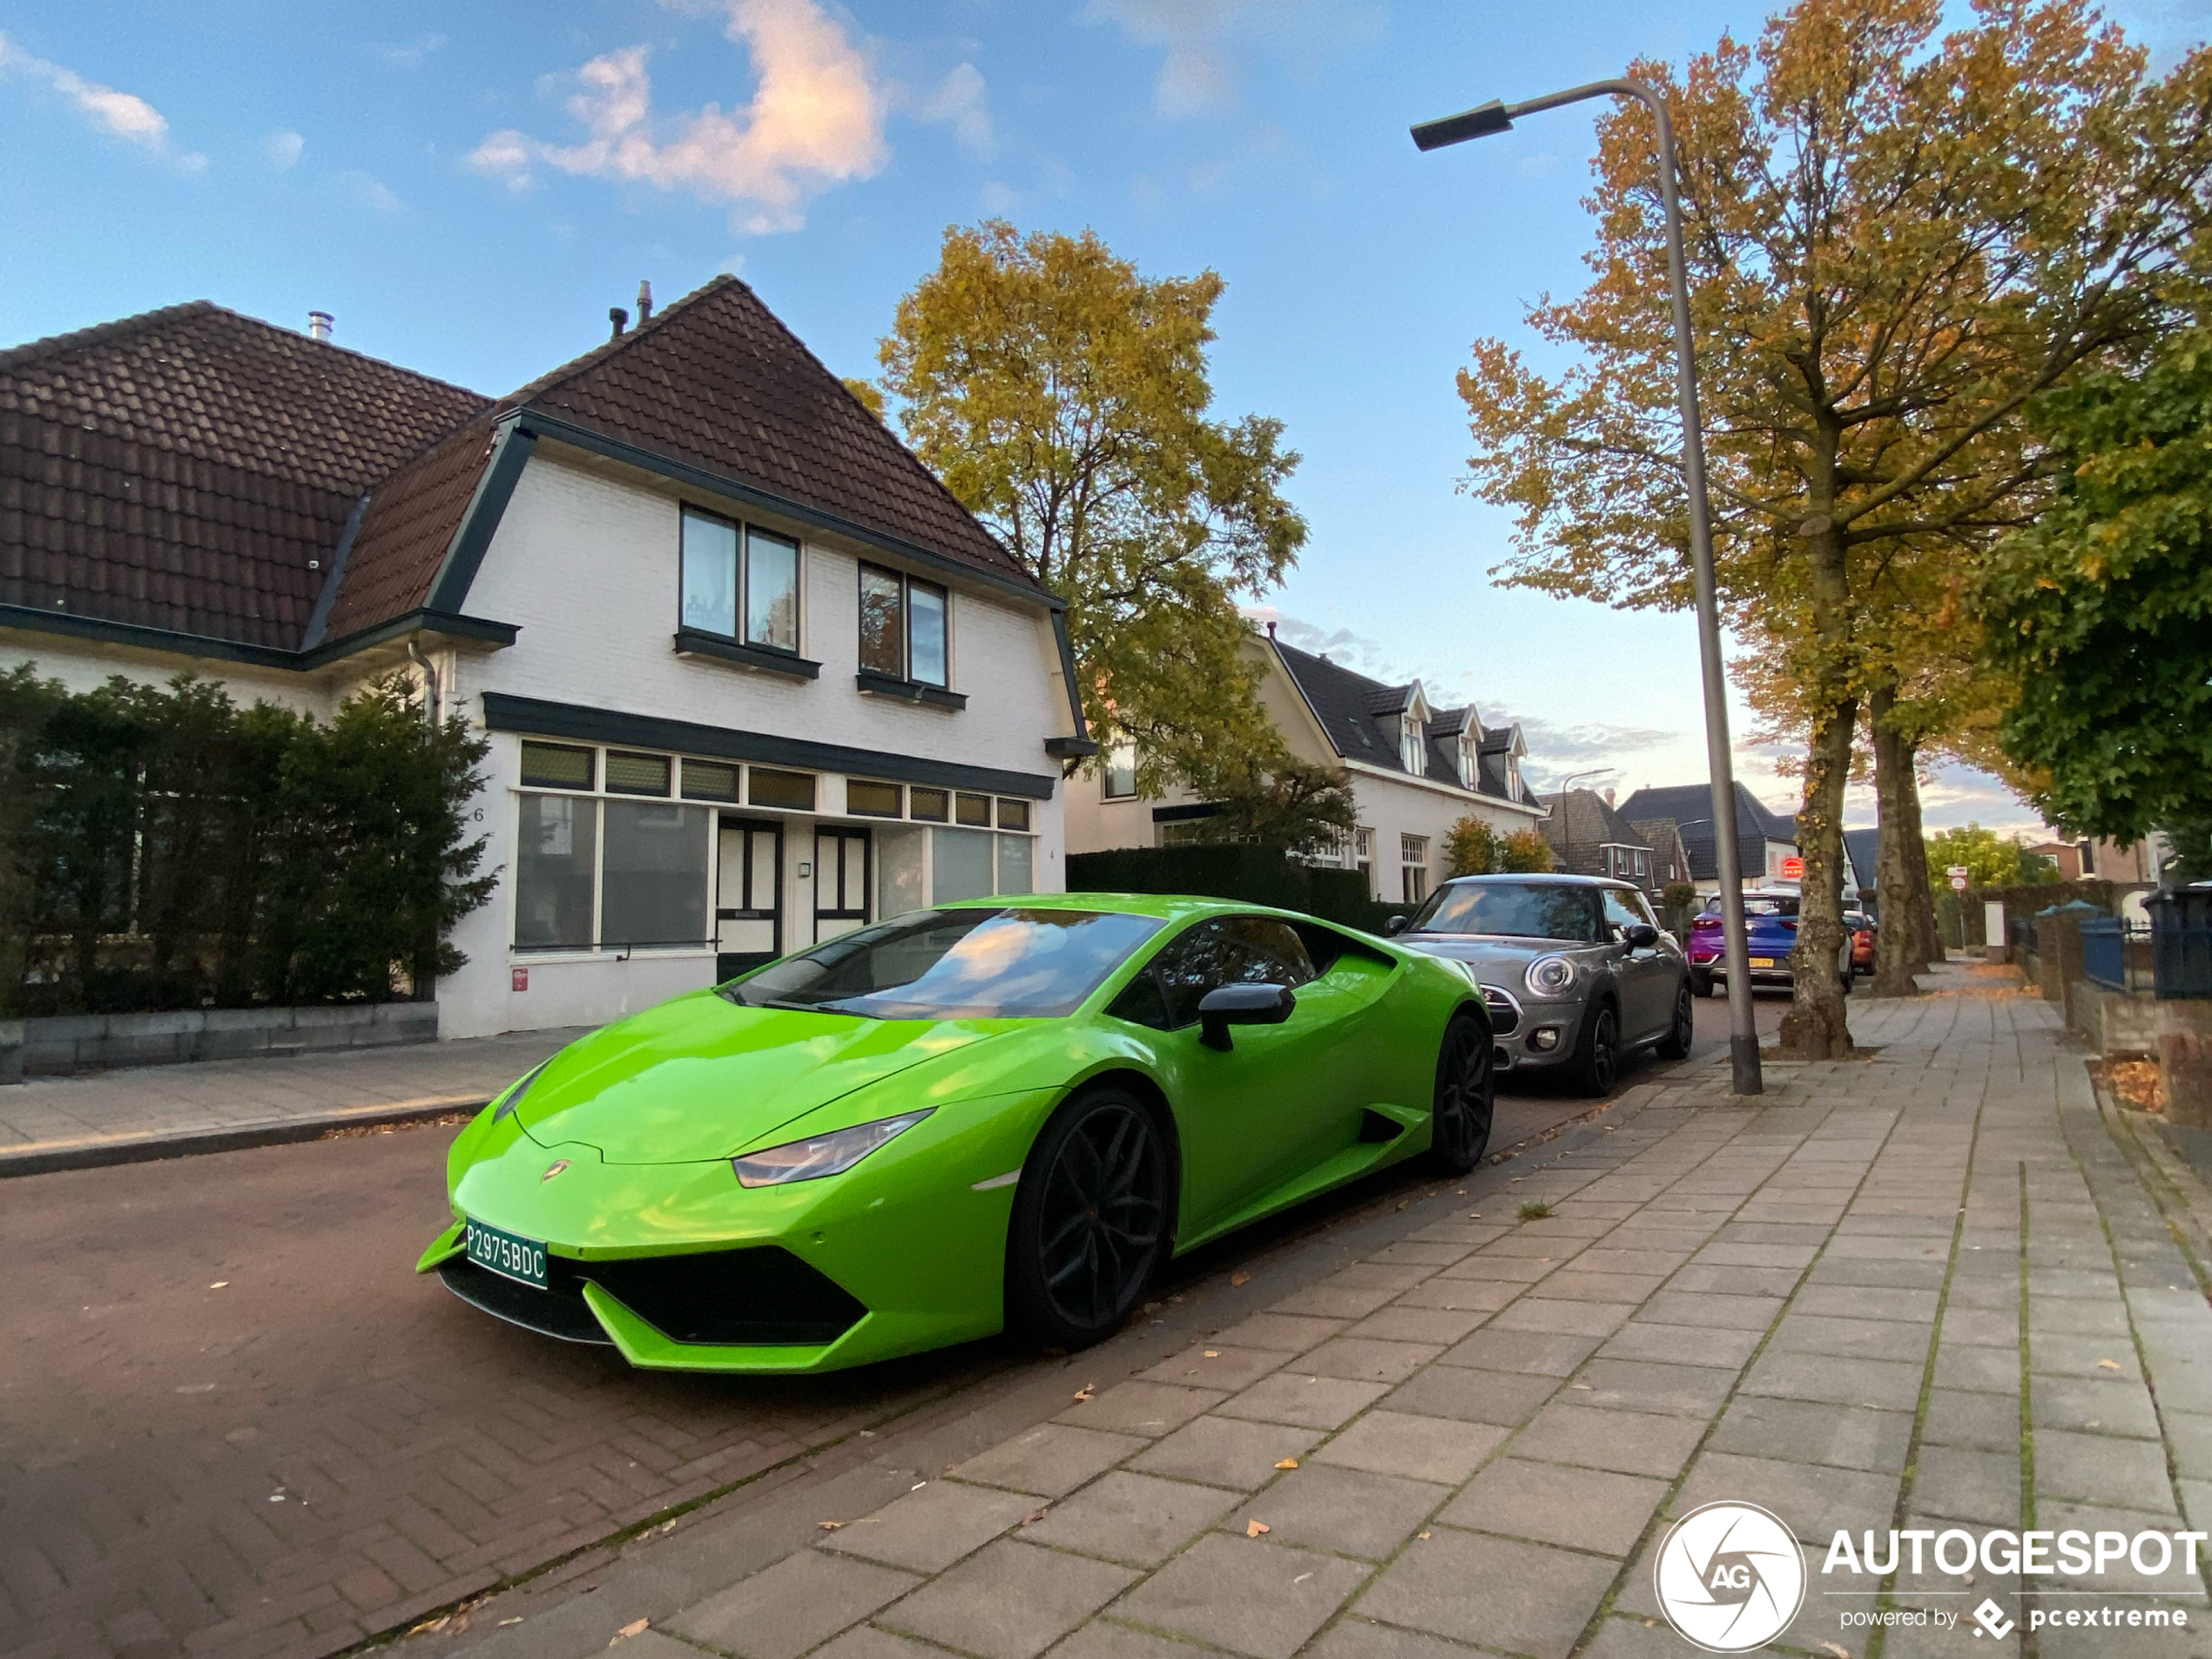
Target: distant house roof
(1691, 807)
(1581, 818)
(1862, 846)
(195, 470)
(1363, 719)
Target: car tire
(1091, 1222)
(1701, 984)
(1466, 1083)
(1597, 1055)
(1675, 1044)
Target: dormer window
(1411, 747)
(1470, 762)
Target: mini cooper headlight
(1549, 975)
(830, 1154)
(514, 1094)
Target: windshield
(953, 965)
(1761, 904)
(1515, 910)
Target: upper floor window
(1412, 748)
(723, 589)
(1120, 774)
(1470, 764)
(902, 627)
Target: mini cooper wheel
(1090, 1219)
(1675, 1044)
(1466, 1093)
(1598, 1063)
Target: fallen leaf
(1033, 1517)
(1287, 1463)
(1240, 1278)
(1584, 1387)
(1084, 1393)
(1253, 1528)
(829, 1526)
(1424, 1534)
(1213, 1353)
(2107, 1365)
(1301, 1578)
(1840, 1651)
(637, 1626)
(219, 1285)
(504, 1622)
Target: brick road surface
(1925, 1288)
(327, 1446)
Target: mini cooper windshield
(1512, 909)
(959, 964)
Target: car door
(1646, 974)
(1278, 1100)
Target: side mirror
(1228, 1005)
(1643, 935)
(1397, 924)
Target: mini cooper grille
(1505, 1013)
(759, 1295)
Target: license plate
(1763, 962)
(508, 1255)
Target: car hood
(700, 1077)
(1497, 959)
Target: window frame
(740, 633)
(1111, 762)
(906, 582)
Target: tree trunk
(1896, 933)
(1927, 944)
(1815, 1028)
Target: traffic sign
(1958, 882)
(1793, 868)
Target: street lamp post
(1496, 117)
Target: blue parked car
(1770, 931)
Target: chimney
(645, 302)
(1608, 797)
(1271, 629)
(319, 325)
(619, 318)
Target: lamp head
(1478, 122)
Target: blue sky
(469, 188)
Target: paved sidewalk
(144, 1111)
(1923, 1289)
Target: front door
(748, 904)
(841, 880)
(1646, 974)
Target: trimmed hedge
(163, 849)
(1249, 874)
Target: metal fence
(2181, 942)
(2117, 954)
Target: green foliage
(1991, 859)
(1472, 847)
(2192, 852)
(1064, 398)
(2103, 607)
(163, 849)
(1284, 803)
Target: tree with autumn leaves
(1897, 238)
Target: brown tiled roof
(402, 537)
(180, 469)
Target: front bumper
(679, 1268)
(1516, 1020)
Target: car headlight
(830, 1154)
(514, 1094)
(1549, 975)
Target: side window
(1620, 914)
(1141, 1003)
(1280, 956)
(1236, 950)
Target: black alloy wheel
(1599, 1064)
(1090, 1219)
(1466, 1096)
(1675, 1044)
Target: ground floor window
(1363, 855)
(1412, 853)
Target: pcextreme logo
(1729, 1577)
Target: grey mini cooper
(1576, 972)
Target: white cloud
(1197, 75)
(413, 53)
(999, 198)
(816, 118)
(363, 190)
(123, 115)
(286, 147)
(961, 102)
